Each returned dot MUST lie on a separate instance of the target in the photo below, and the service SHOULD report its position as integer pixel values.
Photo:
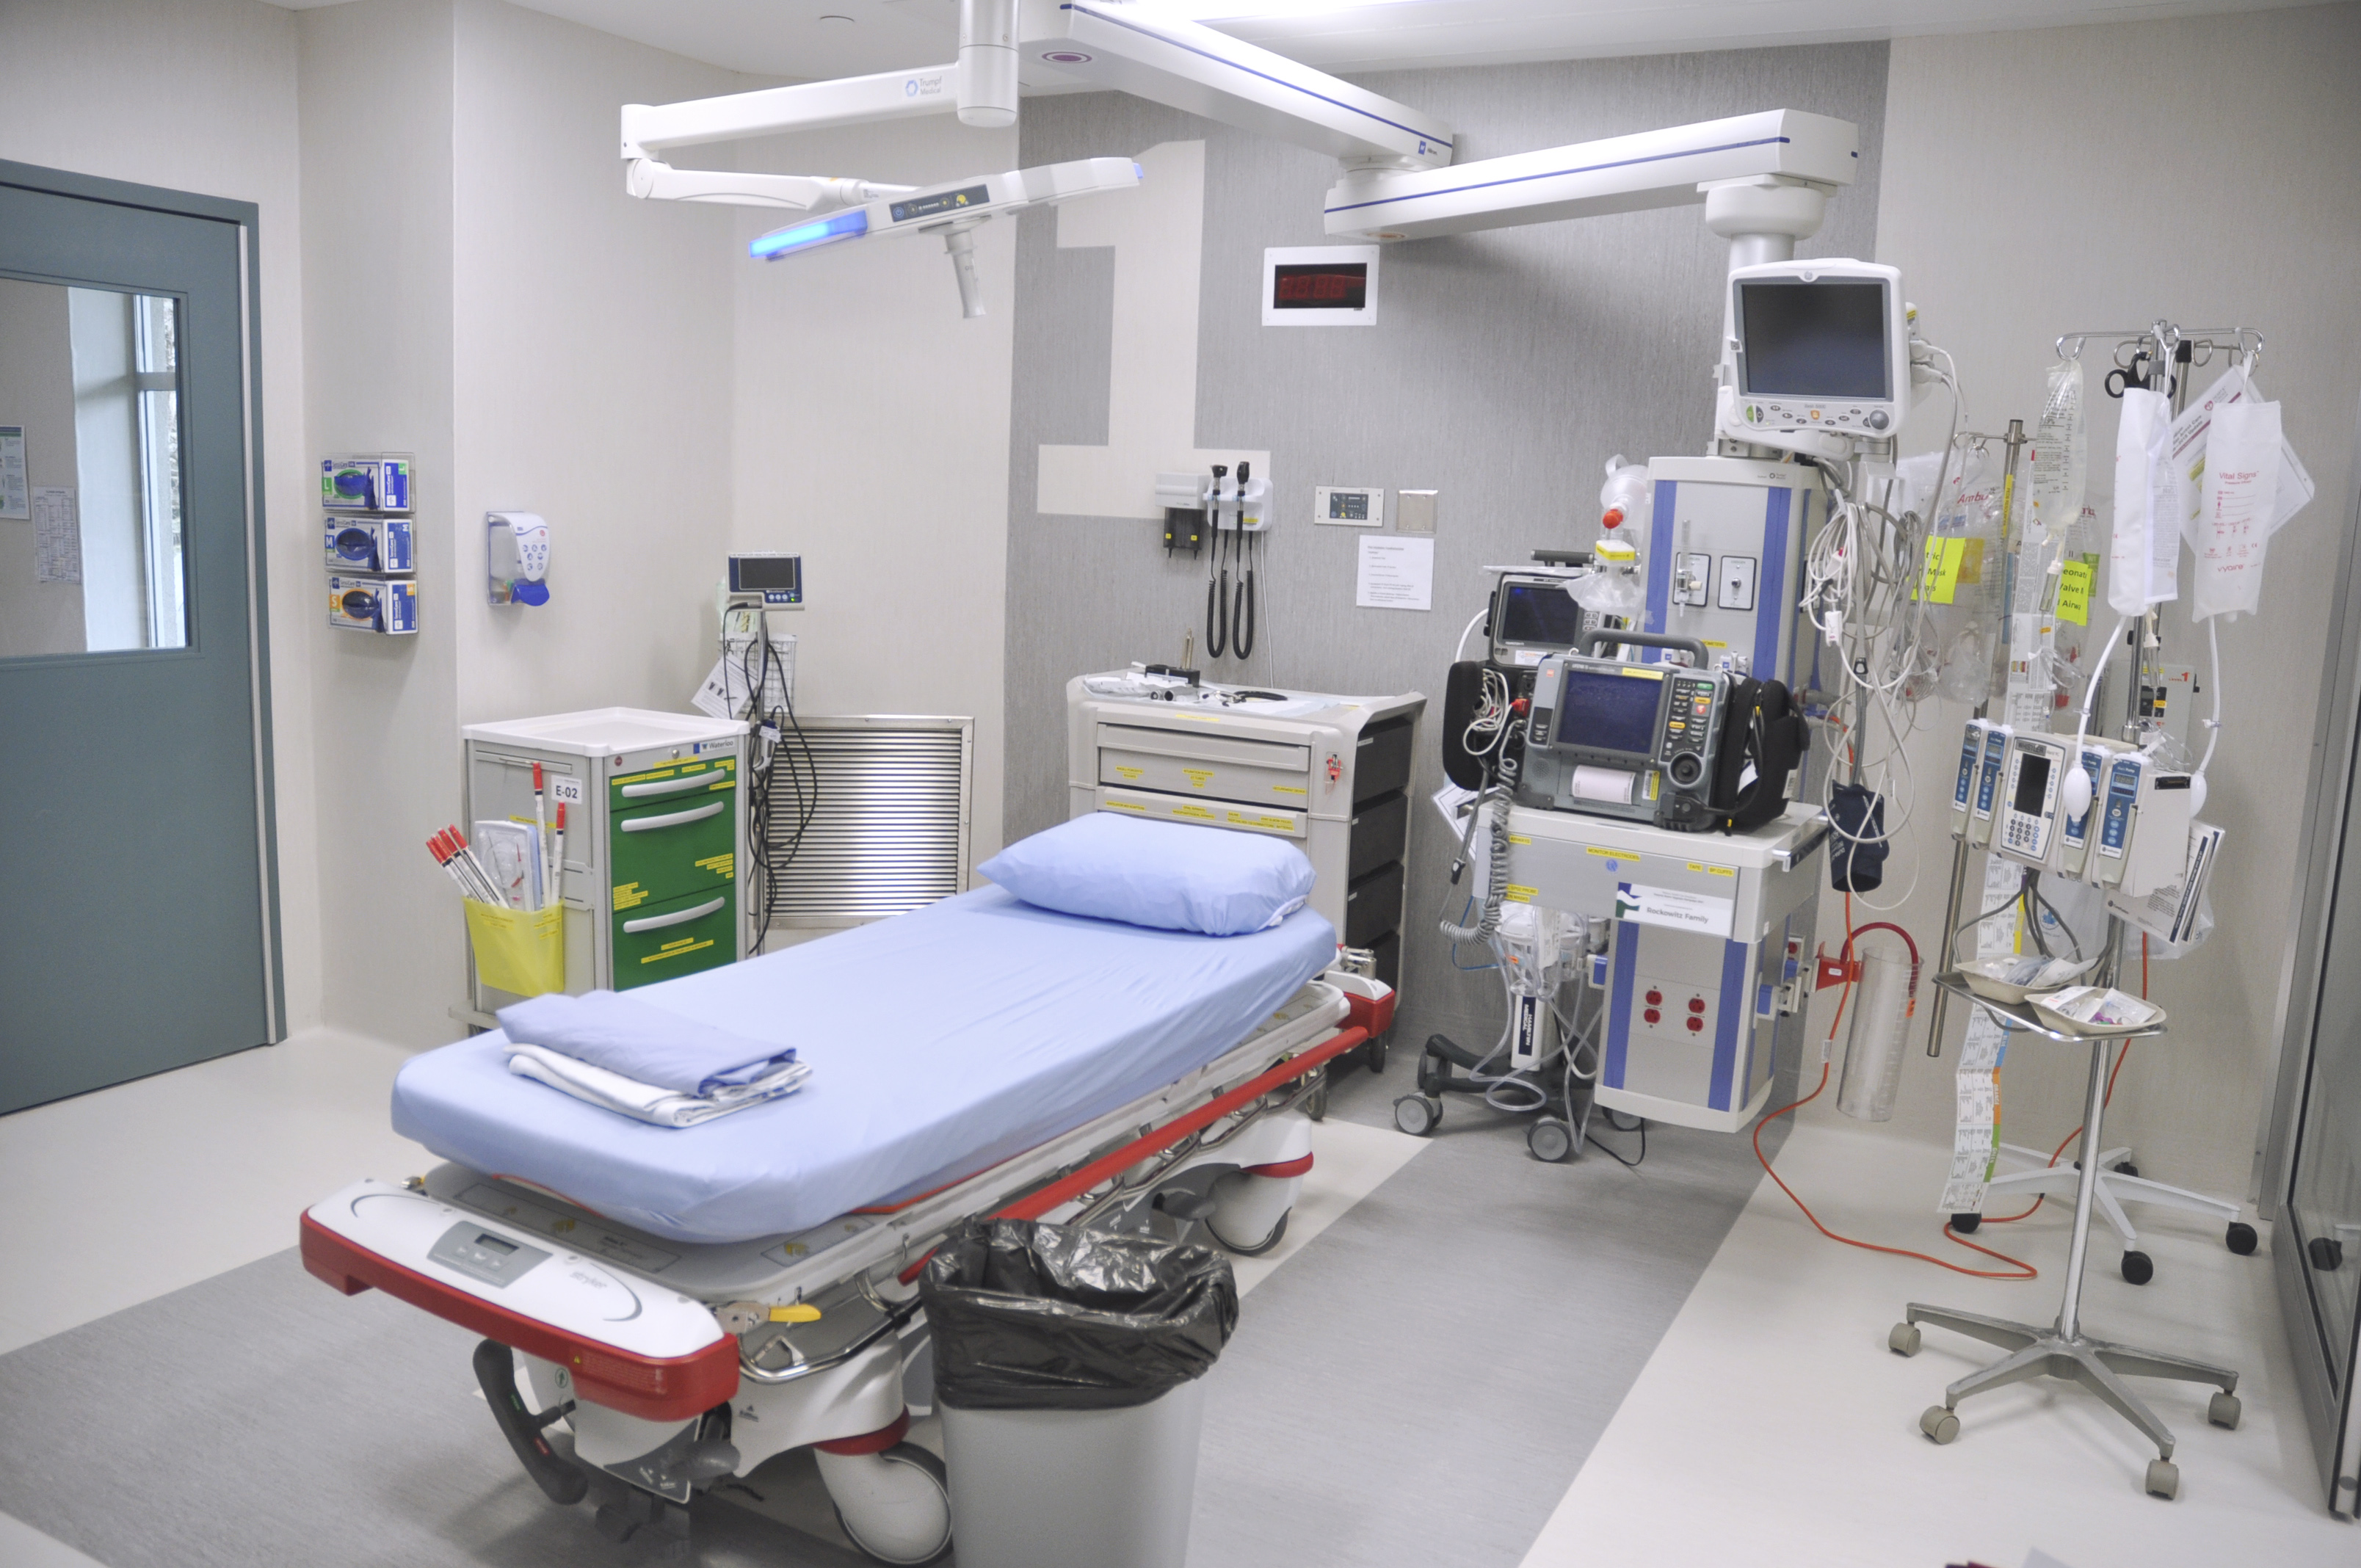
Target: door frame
(2334, 1413)
(245, 217)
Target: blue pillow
(1164, 874)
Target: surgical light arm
(953, 209)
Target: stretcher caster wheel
(2242, 1238)
(1277, 1234)
(2163, 1479)
(1548, 1140)
(2124, 1167)
(2138, 1267)
(2224, 1411)
(1965, 1224)
(1940, 1422)
(1904, 1340)
(2327, 1254)
(1374, 1053)
(897, 1505)
(1418, 1115)
(1315, 1104)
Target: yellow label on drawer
(1518, 838)
(1704, 870)
(1254, 819)
(1517, 894)
(1130, 775)
(1607, 854)
(719, 865)
(1198, 777)
(1197, 812)
(1290, 789)
(679, 950)
(630, 896)
(1127, 805)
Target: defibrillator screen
(1609, 713)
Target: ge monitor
(1820, 345)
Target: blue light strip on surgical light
(850, 224)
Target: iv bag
(2147, 507)
(2236, 504)
(1615, 591)
(2061, 454)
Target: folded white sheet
(647, 1102)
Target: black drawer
(1381, 762)
(1380, 833)
(1373, 906)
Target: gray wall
(1503, 372)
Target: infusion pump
(2009, 796)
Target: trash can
(1067, 1363)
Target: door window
(92, 558)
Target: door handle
(677, 918)
(673, 819)
(673, 786)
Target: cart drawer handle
(673, 819)
(677, 918)
(673, 786)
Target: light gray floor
(1421, 1384)
(1418, 1385)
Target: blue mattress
(941, 1041)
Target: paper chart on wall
(13, 500)
(57, 535)
(1395, 573)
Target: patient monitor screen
(1537, 613)
(1609, 713)
(1824, 339)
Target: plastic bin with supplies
(1067, 1364)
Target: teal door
(135, 928)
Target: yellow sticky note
(2074, 592)
(1940, 581)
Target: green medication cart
(655, 838)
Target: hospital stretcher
(678, 1364)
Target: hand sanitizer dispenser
(517, 548)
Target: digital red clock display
(1321, 286)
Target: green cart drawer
(626, 791)
(658, 941)
(667, 849)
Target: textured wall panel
(1503, 372)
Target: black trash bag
(1036, 1316)
(1857, 849)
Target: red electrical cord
(2023, 1270)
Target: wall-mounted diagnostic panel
(1349, 506)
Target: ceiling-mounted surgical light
(804, 237)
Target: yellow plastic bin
(521, 951)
